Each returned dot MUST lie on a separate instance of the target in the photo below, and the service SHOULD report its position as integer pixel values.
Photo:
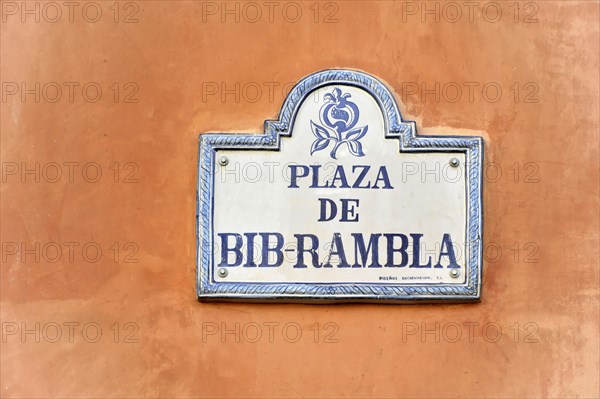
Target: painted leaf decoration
(355, 148)
(319, 131)
(357, 134)
(319, 144)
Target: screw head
(454, 162)
(222, 272)
(223, 161)
(454, 273)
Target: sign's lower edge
(398, 300)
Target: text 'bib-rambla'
(339, 200)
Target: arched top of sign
(378, 90)
(406, 131)
(338, 125)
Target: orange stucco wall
(185, 67)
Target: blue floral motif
(338, 117)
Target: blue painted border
(395, 127)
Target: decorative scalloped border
(395, 127)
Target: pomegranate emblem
(338, 118)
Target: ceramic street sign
(339, 200)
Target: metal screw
(222, 272)
(454, 273)
(454, 162)
(223, 161)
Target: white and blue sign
(340, 200)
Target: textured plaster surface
(173, 57)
